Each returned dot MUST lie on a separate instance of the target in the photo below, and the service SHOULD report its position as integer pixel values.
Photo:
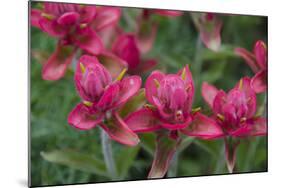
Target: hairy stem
(231, 145)
(107, 154)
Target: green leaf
(76, 160)
(148, 141)
(134, 103)
(125, 159)
(214, 72)
(185, 143)
(211, 147)
(225, 53)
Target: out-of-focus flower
(74, 27)
(131, 46)
(170, 97)
(125, 47)
(167, 13)
(209, 25)
(101, 96)
(146, 29)
(106, 23)
(257, 61)
(235, 112)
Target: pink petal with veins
(142, 120)
(81, 118)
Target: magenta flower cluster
(107, 76)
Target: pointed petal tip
(56, 65)
(259, 82)
(142, 121)
(120, 132)
(209, 93)
(203, 127)
(80, 118)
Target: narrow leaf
(134, 103)
(185, 143)
(76, 160)
(148, 142)
(130, 155)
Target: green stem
(107, 154)
(197, 65)
(130, 22)
(172, 172)
(231, 145)
(220, 162)
(251, 152)
(198, 56)
(262, 110)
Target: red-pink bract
(235, 113)
(126, 47)
(101, 96)
(257, 60)
(170, 97)
(209, 26)
(73, 25)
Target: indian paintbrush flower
(166, 13)
(209, 26)
(125, 47)
(75, 27)
(101, 96)
(146, 28)
(257, 60)
(131, 46)
(235, 113)
(169, 110)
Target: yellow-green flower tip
(122, 74)
(82, 68)
(87, 103)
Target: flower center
(172, 93)
(94, 81)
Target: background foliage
(61, 154)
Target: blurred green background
(61, 154)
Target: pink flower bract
(209, 26)
(235, 111)
(126, 47)
(171, 97)
(74, 26)
(257, 61)
(101, 96)
(170, 110)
